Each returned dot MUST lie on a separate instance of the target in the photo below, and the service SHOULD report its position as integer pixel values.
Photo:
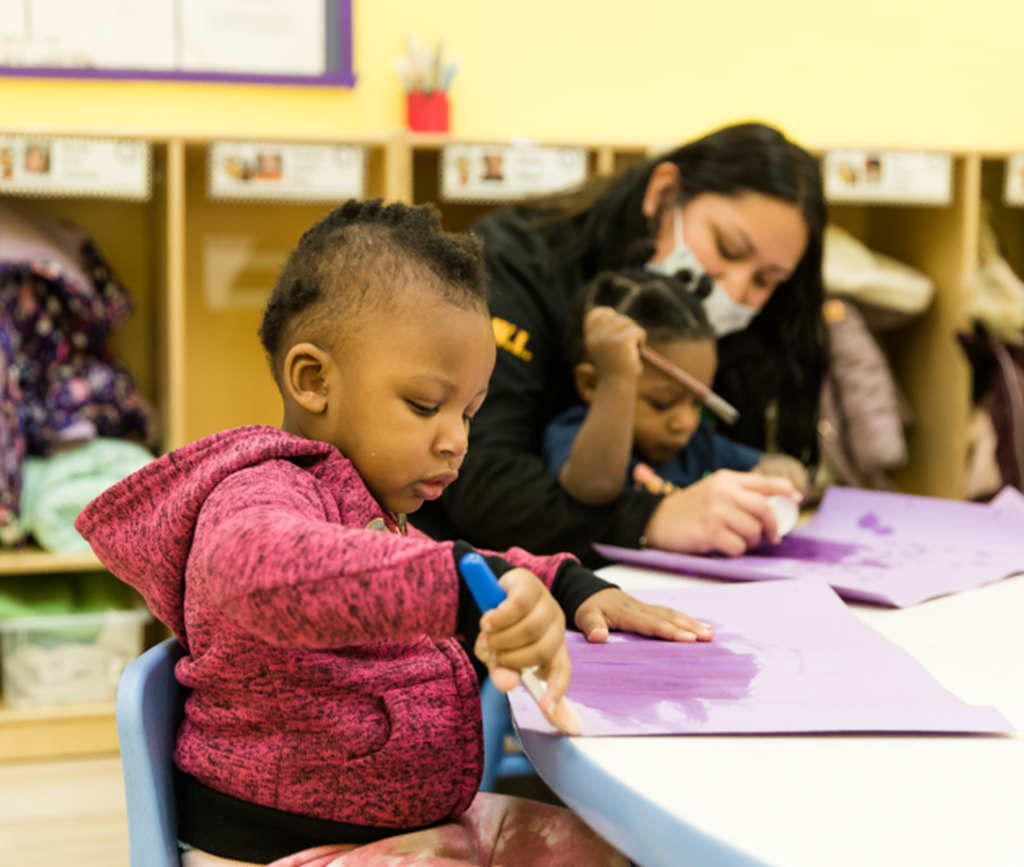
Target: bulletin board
(294, 42)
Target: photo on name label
(37, 159)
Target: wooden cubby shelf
(204, 369)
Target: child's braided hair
(667, 308)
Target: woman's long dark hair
(776, 365)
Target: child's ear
(304, 376)
(584, 375)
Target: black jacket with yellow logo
(504, 495)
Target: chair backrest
(150, 703)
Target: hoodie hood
(142, 528)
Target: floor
(63, 812)
(73, 812)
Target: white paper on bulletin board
(501, 173)
(272, 171)
(888, 177)
(67, 166)
(1013, 190)
(285, 41)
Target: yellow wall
(896, 73)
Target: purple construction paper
(874, 546)
(1008, 498)
(788, 656)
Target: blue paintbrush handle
(481, 582)
(488, 594)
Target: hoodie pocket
(427, 769)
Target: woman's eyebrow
(744, 238)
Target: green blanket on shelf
(56, 489)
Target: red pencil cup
(427, 112)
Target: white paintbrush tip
(564, 716)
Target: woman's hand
(784, 467)
(726, 511)
(613, 609)
(613, 343)
(527, 630)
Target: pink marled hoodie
(326, 680)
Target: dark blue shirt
(706, 452)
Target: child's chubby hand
(613, 342)
(525, 631)
(613, 609)
(784, 467)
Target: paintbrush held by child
(638, 425)
(333, 710)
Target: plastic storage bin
(68, 658)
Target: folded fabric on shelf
(999, 388)
(995, 299)
(58, 380)
(863, 414)
(873, 280)
(56, 489)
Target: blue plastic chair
(499, 764)
(150, 704)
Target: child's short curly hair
(361, 256)
(667, 308)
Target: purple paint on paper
(794, 547)
(875, 546)
(788, 656)
(687, 675)
(870, 522)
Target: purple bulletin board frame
(339, 63)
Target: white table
(824, 800)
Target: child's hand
(612, 609)
(613, 342)
(784, 467)
(527, 630)
(726, 511)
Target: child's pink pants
(496, 831)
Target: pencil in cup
(718, 405)
(488, 594)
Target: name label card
(503, 173)
(888, 177)
(59, 166)
(1013, 192)
(271, 171)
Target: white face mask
(725, 315)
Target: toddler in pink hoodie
(334, 716)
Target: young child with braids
(334, 718)
(637, 426)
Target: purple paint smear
(792, 659)
(875, 546)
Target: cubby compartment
(1006, 218)
(130, 235)
(926, 358)
(233, 252)
(458, 216)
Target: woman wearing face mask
(743, 205)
